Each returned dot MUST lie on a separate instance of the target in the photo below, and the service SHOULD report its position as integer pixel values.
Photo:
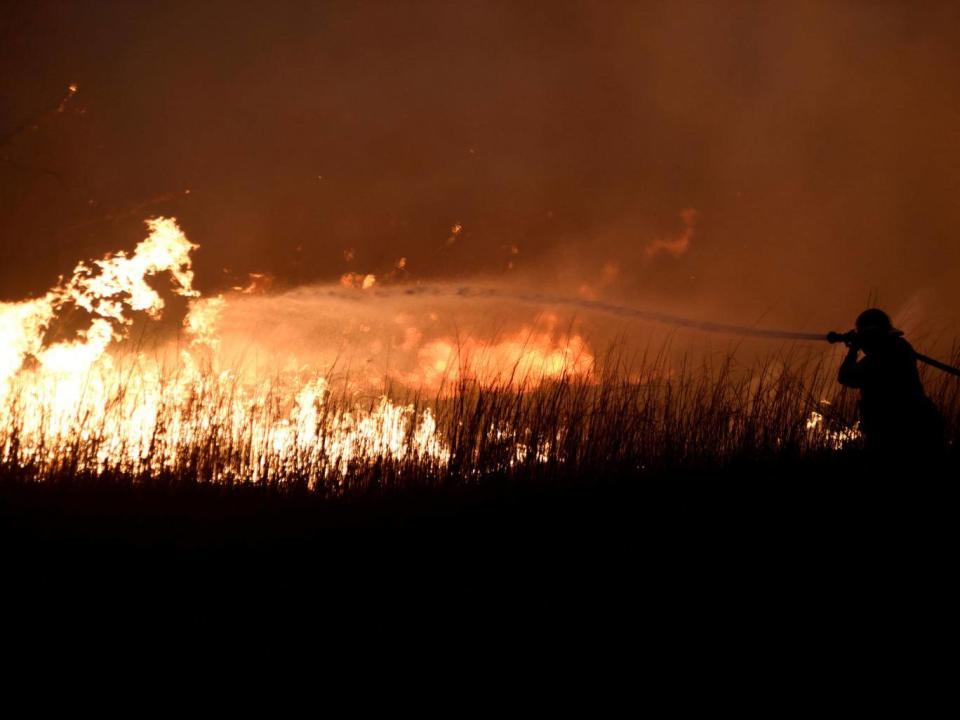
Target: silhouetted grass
(631, 419)
(610, 450)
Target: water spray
(492, 293)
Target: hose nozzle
(848, 337)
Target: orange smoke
(678, 245)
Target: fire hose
(848, 337)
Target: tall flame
(120, 280)
(76, 402)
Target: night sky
(818, 143)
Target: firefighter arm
(849, 375)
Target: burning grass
(190, 427)
(533, 406)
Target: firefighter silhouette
(897, 418)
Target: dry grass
(638, 417)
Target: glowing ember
(364, 282)
(833, 438)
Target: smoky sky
(817, 142)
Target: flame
(22, 326)
(836, 438)
(201, 321)
(524, 359)
(78, 403)
(121, 280)
(358, 280)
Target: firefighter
(897, 418)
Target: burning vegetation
(537, 402)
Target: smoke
(815, 140)
(676, 246)
(467, 293)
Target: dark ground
(800, 503)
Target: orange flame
(525, 358)
(138, 413)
